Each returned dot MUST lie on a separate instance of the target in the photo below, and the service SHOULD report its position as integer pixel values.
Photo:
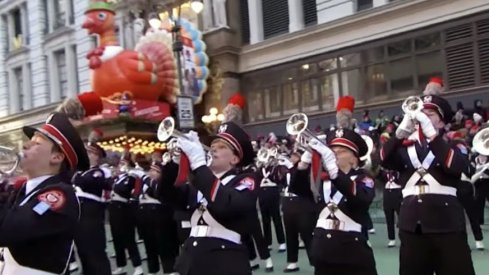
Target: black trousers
(90, 238)
(300, 216)
(159, 232)
(212, 256)
(444, 253)
(392, 205)
(465, 194)
(481, 195)
(256, 235)
(122, 226)
(269, 201)
(341, 253)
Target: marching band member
(269, 202)
(158, 228)
(38, 226)
(225, 202)
(299, 211)
(339, 246)
(481, 183)
(122, 220)
(431, 220)
(465, 189)
(90, 237)
(391, 202)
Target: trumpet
(297, 125)
(9, 161)
(166, 129)
(412, 105)
(480, 143)
(267, 155)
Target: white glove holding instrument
(328, 157)
(405, 128)
(426, 125)
(283, 160)
(193, 149)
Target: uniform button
(405, 166)
(195, 243)
(328, 236)
(223, 246)
(420, 200)
(446, 203)
(356, 239)
(346, 200)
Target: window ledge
(13, 53)
(64, 30)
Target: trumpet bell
(166, 128)
(262, 155)
(9, 161)
(480, 143)
(370, 146)
(297, 123)
(412, 105)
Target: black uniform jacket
(39, 228)
(231, 204)
(431, 213)
(93, 181)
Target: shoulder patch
(246, 183)
(368, 182)
(462, 149)
(55, 198)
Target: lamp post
(213, 119)
(185, 116)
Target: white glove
(426, 126)
(328, 157)
(282, 160)
(306, 158)
(176, 159)
(193, 149)
(406, 128)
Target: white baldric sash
(432, 186)
(212, 229)
(343, 222)
(265, 181)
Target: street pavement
(386, 258)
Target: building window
(310, 12)
(19, 81)
(275, 17)
(60, 59)
(16, 34)
(364, 4)
(59, 14)
(273, 100)
(255, 106)
(245, 22)
(329, 88)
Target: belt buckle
(202, 230)
(422, 189)
(421, 172)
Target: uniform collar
(33, 183)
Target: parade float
(134, 89)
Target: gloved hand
(306, 158)
(283, 160)
(176, 159)
(405, 128)
(426, 126)
(193, 149)
(328, 157)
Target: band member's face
(435, 118)
(223, 157)
(38, 156)
(345, 158)
(154, 174)
(93, 157)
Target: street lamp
(197, 6)
(213, 118)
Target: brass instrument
(166, 130)
(267, 155)
(480, 143)
(412, 105)
(297, 125)
(9, 161)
